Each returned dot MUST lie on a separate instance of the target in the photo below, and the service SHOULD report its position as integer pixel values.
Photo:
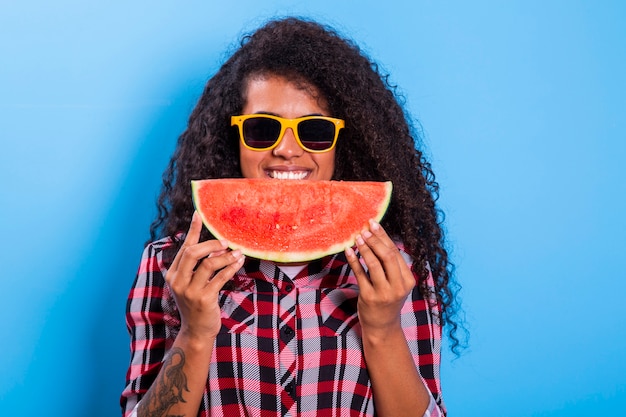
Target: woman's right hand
(199, 271)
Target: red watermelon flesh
(289, 220)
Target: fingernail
(349, 252)
(360, 240)
(224, 243)
(236, 253)
(367, 234)
(374, 225)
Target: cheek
(250, 162)
(326, 164)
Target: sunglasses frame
(284, 125)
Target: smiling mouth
(288, 175)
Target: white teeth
(288, 175)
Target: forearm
(178, 388)
(397, 386)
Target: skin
(397, 386)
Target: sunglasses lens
(260, 132)
(316, 134)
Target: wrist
(376, 335)
(195, 341)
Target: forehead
(262, 92)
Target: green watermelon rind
(291, 256)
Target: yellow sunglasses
(262, 132)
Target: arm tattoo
(168, 389)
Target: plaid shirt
(288, 347)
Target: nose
(288, 146)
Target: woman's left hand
(386, 285)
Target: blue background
(523, 106)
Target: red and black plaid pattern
(286, 347)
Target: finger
(193, 254)
(359, 272)
(377, 230)
(388, 256)
(192, 237)
(374, 265)
(208, 267)
(389, 262)
(217, 253)
(378, 240)
(217, 282)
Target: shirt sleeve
(422, 329)
(151, 318)
(421, 322)
(433, 409)
(134, 412)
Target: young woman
(356, 333)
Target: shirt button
(288, 287)
(286, 334)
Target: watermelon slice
(286, 220)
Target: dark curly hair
(379, 142)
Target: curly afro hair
(379, 142)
